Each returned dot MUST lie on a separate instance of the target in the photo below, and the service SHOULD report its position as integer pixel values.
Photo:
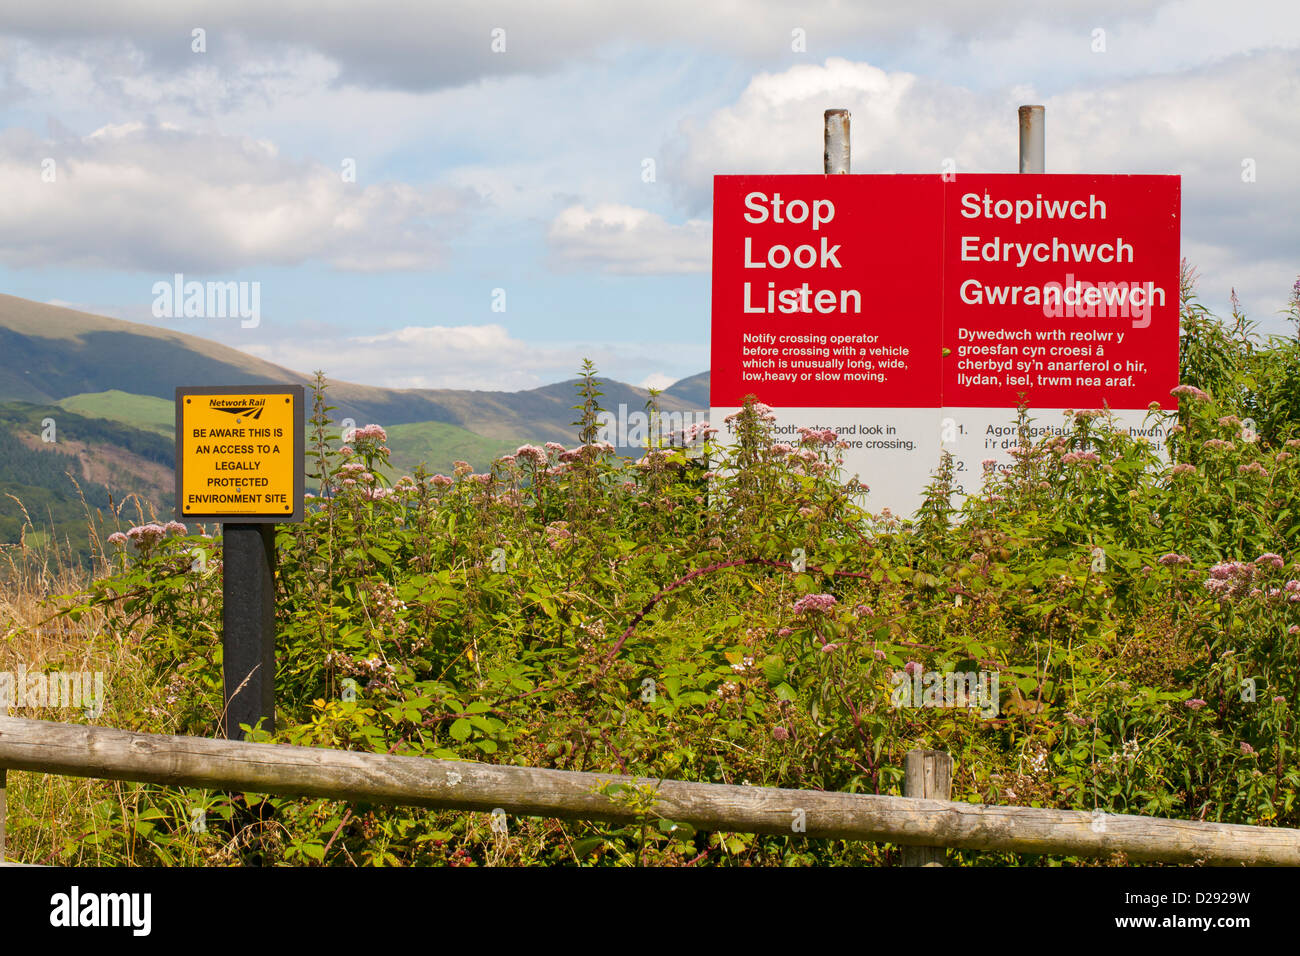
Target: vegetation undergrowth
(731, 612)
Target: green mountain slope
(109, 385)
(436, 445)
(49, 353)
(139, 411)
(93, 470)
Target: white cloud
(658, 380)
(163, 199)
(426, 46)
(900, 123)
(623, 239)
(111, 73)
(467, 356)
(1174, 92)
(1107, 46)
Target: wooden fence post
(927, 775)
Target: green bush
(757, 623)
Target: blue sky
(523, 170)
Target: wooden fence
(913, 822)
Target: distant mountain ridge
(108, 386)
(50, 353)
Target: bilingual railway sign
(240, 461)
(239, 453)
(912, 313)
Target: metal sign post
(1033, 157)
(239, 460)
(836, 156)
(248, 626)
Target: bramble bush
(737, 613)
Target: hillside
(109, 386)
(693, 392)
(53, 353)
(436, 445)
(139, 411)
(91, 470)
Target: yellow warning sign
(239, 453)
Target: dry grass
(52, 819)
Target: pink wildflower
(532, 453)
(814, 602)
(1081, 458)
(147, 534)
(1189, 391)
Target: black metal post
(248, 626)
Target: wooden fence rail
(82, 751)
